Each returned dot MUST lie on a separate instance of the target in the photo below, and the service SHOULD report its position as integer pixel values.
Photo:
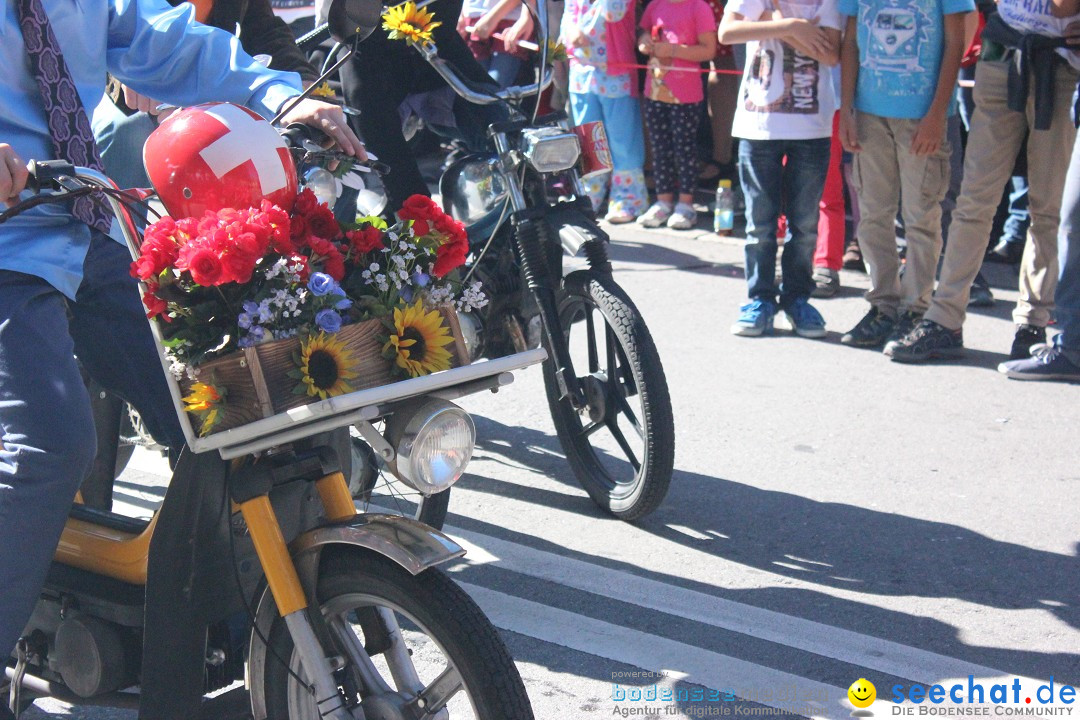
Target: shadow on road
(833, 545)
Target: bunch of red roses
(429, 221)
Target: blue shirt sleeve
(948, 7)
(848, 7)
(162, 53)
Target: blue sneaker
(1047, 362)
(756, 318)
(805, 320)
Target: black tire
(431, 602)
(632, 486)
(375, 488)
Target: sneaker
(853, 257)
(871, 331)
(1026, 336)
(1047, 362)
(756, 318)
(826, 282)
(928, 340)
(684, 217)
(1008, 253)
(980, 297)
(656, 215)
(805, 320)
(905, 323)
(619, 217)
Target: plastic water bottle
(724, 211)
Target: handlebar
(470, 93)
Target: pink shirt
(680, 23)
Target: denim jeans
(771, 187)
(503, 68)
(1067, 297)
(46, 425)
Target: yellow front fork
(270, 544)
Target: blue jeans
(1067, 295)
(120, 140)
(46, 425)
(503, 68)
(772, 187)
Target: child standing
(899, 63)
(679, 36)
(599, 39)
(784, 122)
(502, 58)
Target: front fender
(411, 544)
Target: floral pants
(622, 120)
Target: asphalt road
(833, 516)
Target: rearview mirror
(351, 20)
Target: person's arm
(736, 28)
(12, 175)
(849, 77)
(485, 26)
(264, 33)
(931, 129)
(704, 49)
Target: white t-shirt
(784, 94)
(478, 8)
(1034, 16)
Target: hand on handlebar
(329, 119)
(520, 30)
(12, 175)
(138, 101)
(485, 27)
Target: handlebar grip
(296, 133)
(44, 173)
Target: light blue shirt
(900, 48)
(156, 49)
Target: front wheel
(413, 647)
(621, 445)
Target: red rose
(203, 264)
(323, 223)
(298, 230)
(237, 267)
(451, 228)
(305, 202)
(419, 206)
(365, 240)
(449, 256)
(333, 264)
(154, 305)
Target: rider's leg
(503, 68)
(48, 440)
(120, 139)
(113, 340)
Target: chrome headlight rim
(550, 149)
(411, 428)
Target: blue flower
(321, 284)
(244, 320)
(257, 333)
(343, 304)
(328, 321)
(251, 307)
(421, 279)
(406, 293)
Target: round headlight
(322, 182)
(434, 442)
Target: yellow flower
(323, 91)
(326, 366)
(556, 51)
(419, 343)
(409, 23)
(204, 401)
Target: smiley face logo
(862, 693)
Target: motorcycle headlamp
(322, 182)
(433, 441)
(473, 189)
(550, 149)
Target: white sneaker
(684, 217)
(656, 215)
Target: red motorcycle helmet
(218, 155)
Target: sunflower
(205, 402)
(409, 23)
(325, 366)
(418, 341)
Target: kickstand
(21, 653)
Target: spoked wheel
(621, 445)
(415, 647)
(379, 490)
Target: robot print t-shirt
(785, 95)
(900, 47)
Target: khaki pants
(996, 136)
(884, 171)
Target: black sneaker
(1026, 336)
(928, 340)
(1007, 252)
(905, 323)
(871, 331)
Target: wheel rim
(426, 670)
(612, 428)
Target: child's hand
(849, 131)
(645, 45)
(484, 27)
(520, 30)
(462, 23)
(928, 134)
(573, 38)
(808, 34)
(663, 50)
